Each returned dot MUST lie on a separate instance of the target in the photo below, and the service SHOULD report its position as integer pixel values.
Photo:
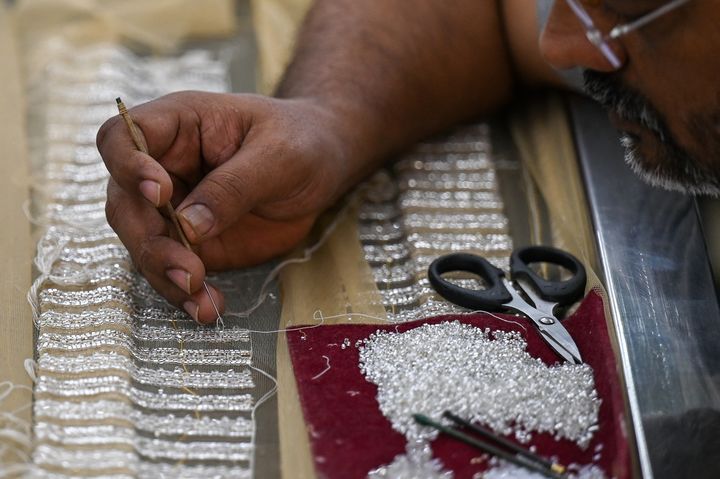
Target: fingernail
(192, 309)
(151, 191)
(181, 278)
(199, 217)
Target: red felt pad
(349, 435)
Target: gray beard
(675, 169)
(661, 179)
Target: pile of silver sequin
(485, 376)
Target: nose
(564, 43)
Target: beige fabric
(543, 137)
(276, 25)
(16, 326)
(337, 280)
(159, 25)
(295, 456)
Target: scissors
(543, 295)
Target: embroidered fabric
(127, 386)
(441, 197)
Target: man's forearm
(397, 70)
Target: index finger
(133, 170)
(166, 127)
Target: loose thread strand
(306, 256)
(327, 368)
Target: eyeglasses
(600, 40)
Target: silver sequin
(486, 377)
(127, 386)
(442, 197)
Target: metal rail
(662, 296)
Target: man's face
(665, 99)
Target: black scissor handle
(490, 299)
(562, 292)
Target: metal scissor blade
(549, 326)
(560, 340)
(546, 307)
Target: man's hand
(248, 176)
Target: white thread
(219, 323)
(32, 299)
(10, 388)
(327, 368)
(385, 320)
(306, 256)
(15, 470)
(47, 253)
(285, 330)
(259, 403)
(44, 222)
(15, 431)
(317, 316)
(351, 315)
(7, 392)
(499, 318)
(11, 417)
(31, 368)
(31, 218)
(15, 436)
(268, 394)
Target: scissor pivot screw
(547, 321)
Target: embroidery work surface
(441, 197)
(127, 385)
(505, 377)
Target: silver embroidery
(127, 385)
(442, 197)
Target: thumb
(222, 196)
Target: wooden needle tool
(168, 207)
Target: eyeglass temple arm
(580, 12)
(593, 34)
(626, 28)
